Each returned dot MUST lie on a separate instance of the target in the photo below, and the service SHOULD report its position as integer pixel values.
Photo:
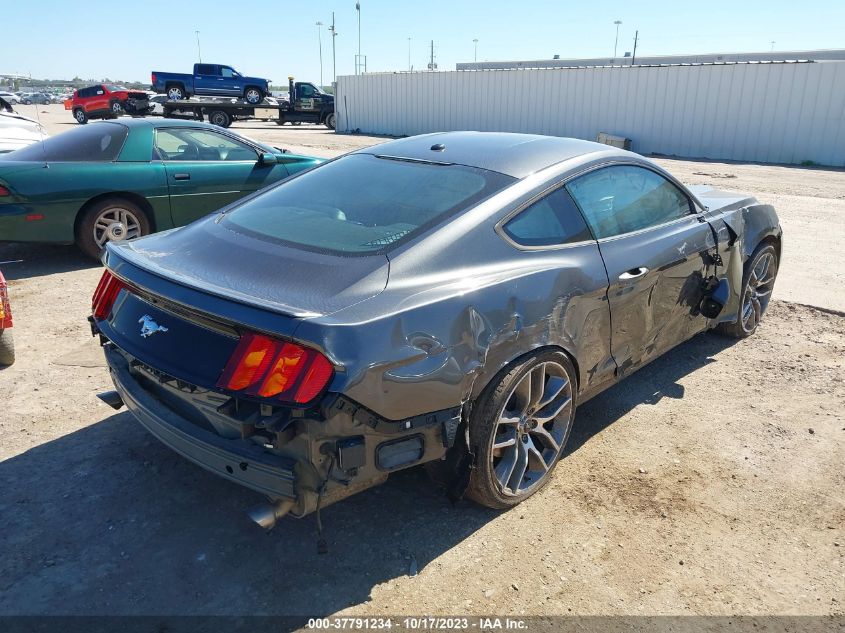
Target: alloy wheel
(253, 96)
(116, 225)
(531, 428)
(758, 290)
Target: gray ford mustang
(448, 298)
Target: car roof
(516, 155)
(133, 122)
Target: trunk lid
(268, 275)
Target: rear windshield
(363, 204)
(96, 142)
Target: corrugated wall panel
(785, 113)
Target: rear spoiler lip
(126, 256)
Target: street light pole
(358, 59)
(334, 57)
(475, 55)
(409, 54)
(320, 44)
(199, 52)
(616, 41)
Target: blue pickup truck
(211, 79)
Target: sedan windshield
(363, 204)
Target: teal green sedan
(118, 180)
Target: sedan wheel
(111, 220)
(116, 225)
(519, 430)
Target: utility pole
(334, 57)
(773, 46)
(634, 56)
(616, 41)
(431, 65)
(358, 58)
(475, 54)
(320, 44)
(199, 52)
(409, 54)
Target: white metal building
(701, 58)
(764, 112)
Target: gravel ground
(711, 482)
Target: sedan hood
(269, 275)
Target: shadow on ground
(107, 520)
(26, 261)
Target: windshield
(116, 88)
(363, 204)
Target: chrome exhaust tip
(111, 398)
(266, 514)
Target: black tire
(220, 118)
(330, 120)
(80, 116)
(7, 348)
(280, 120)
(755, 295)
(115, 109)
(27, 102)
(138, 224)
(175, 92)
(485, 427)
(253, 95)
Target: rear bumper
(241, 461)
(53, 227)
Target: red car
(106, 101)
(7, 344)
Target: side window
(226, 71)
(306, 91)
(553, 220)
(205, 69)
(200, 145)
(625, 198)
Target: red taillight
(4, 191)
(153, 78)
(262, 366)
(105, 295)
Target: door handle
(181, 176)
(634, 273)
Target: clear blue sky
(126, 40)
